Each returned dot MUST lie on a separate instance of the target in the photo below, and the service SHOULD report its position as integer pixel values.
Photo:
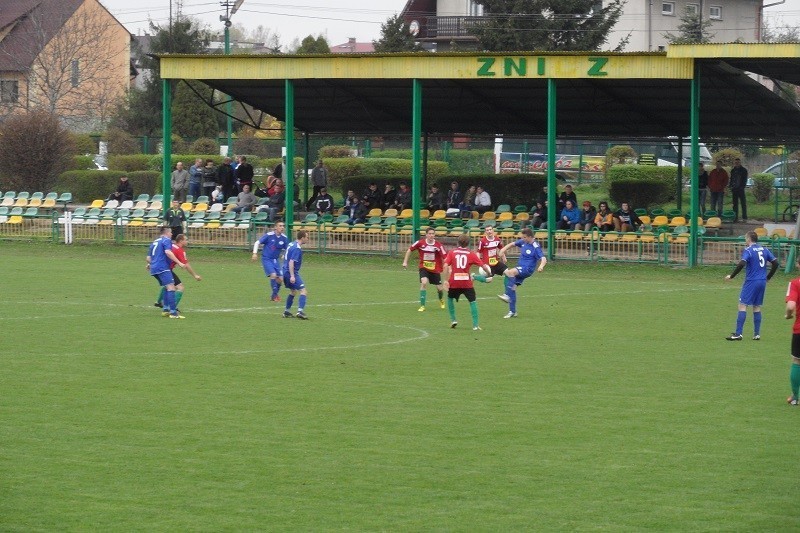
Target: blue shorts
(271, 267)
(165, 278)
(753, 292)
(298, 282)
(523, 273)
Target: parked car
(785, 173)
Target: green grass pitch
(612, 402)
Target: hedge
(512, 189)
(89, 185)
(762, 186)
(461, 161)
(640, 192)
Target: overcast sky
(337, 20)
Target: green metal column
(228, 104)
(679, 177)
(416, 138)
(166, 172)
(423, 192)
(306, 165)
(289, 142)
(694, 119)
(552, 205)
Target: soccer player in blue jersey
(158, 262)
(273, 241)
(292, 262)
(754, 260)
(530, 255)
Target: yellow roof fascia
(512, 65)
(734, 50)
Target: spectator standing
(754, 260)
(717, 181)
(196, 178)
(243, 174)
(570, 216)
(588, 214)
(124, 191)
(738, 186)
(245, 200)
(483, 202)
(209, 177)
(625, 220)
(176, 219)
(180, 182)
(458, 282)
(226, 179)
(702, 186)
(319, 179)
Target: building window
(715, 12)
(474, 9)
(692, 9)
(75, 77)
(9, 91)
(668, 8)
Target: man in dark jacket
(124, 191)
(737, 184)
(243, 173)
(373, 196)
(225, 178)
(323, 203)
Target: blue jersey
(529, 254)
(273, 244)
(293, 253)
(159, 262)
(756, 258)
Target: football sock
(275, 287)
(161, 295)
(757, 323)
(794, 379)
(473, 309)
(451, 308)
(422, 295)
(740, 318)
(289, 301)
(512, 305)
(441, 295)
(479, 277)
(301, 302)
(178, 296)
(169, 301)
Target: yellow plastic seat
(778, 232)
(187, 206)
(49, 203)
(406, 213)
(610, 237)
(646, 219)
(375, 212)
(575, 236)
(761, 232)
(522, 217)
(390, 213)
(660, 220)
(35, 202)
(21, 202)
(488, 215)
(439, 214)
(199, 207)
(647, 237)
(16, 219)
(629, 237)
(677, 221)
(506, 215)
(97, 203)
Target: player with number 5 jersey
(431, 258)
(754, 260)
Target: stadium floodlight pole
(166, 170)
(694, 127)
(230, 9)
(551, 167)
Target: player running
(158, 258)
(273, 241)
(489, 250)
(754, 260)
(292, 262)
(457, 265)
(530, 255)
(431, 257)
(179, 249)
(792, 311)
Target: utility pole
(231, 7)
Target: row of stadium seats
(15, 215)
(36, 199)
(152, 217)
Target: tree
(561, 25)
(191, 116)
(34, 148)
(782, 34)
(73, 72)
(693, 29)
(395, 37)
(310, 45)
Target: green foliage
(84, 143)
(378, 169)
(249, 146)
(178, 144)
(726, 155)
(311, 45)
(81, 162)
(192, 117)
(130, 163)
(640, 192)
(89, 185)
(335, 151)
(693, 29)
(762, 186)
(205, 145)
(121, 142)
(395, 37)
(35, 147)
(561, 25)
(620, 155)
(472, 161)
